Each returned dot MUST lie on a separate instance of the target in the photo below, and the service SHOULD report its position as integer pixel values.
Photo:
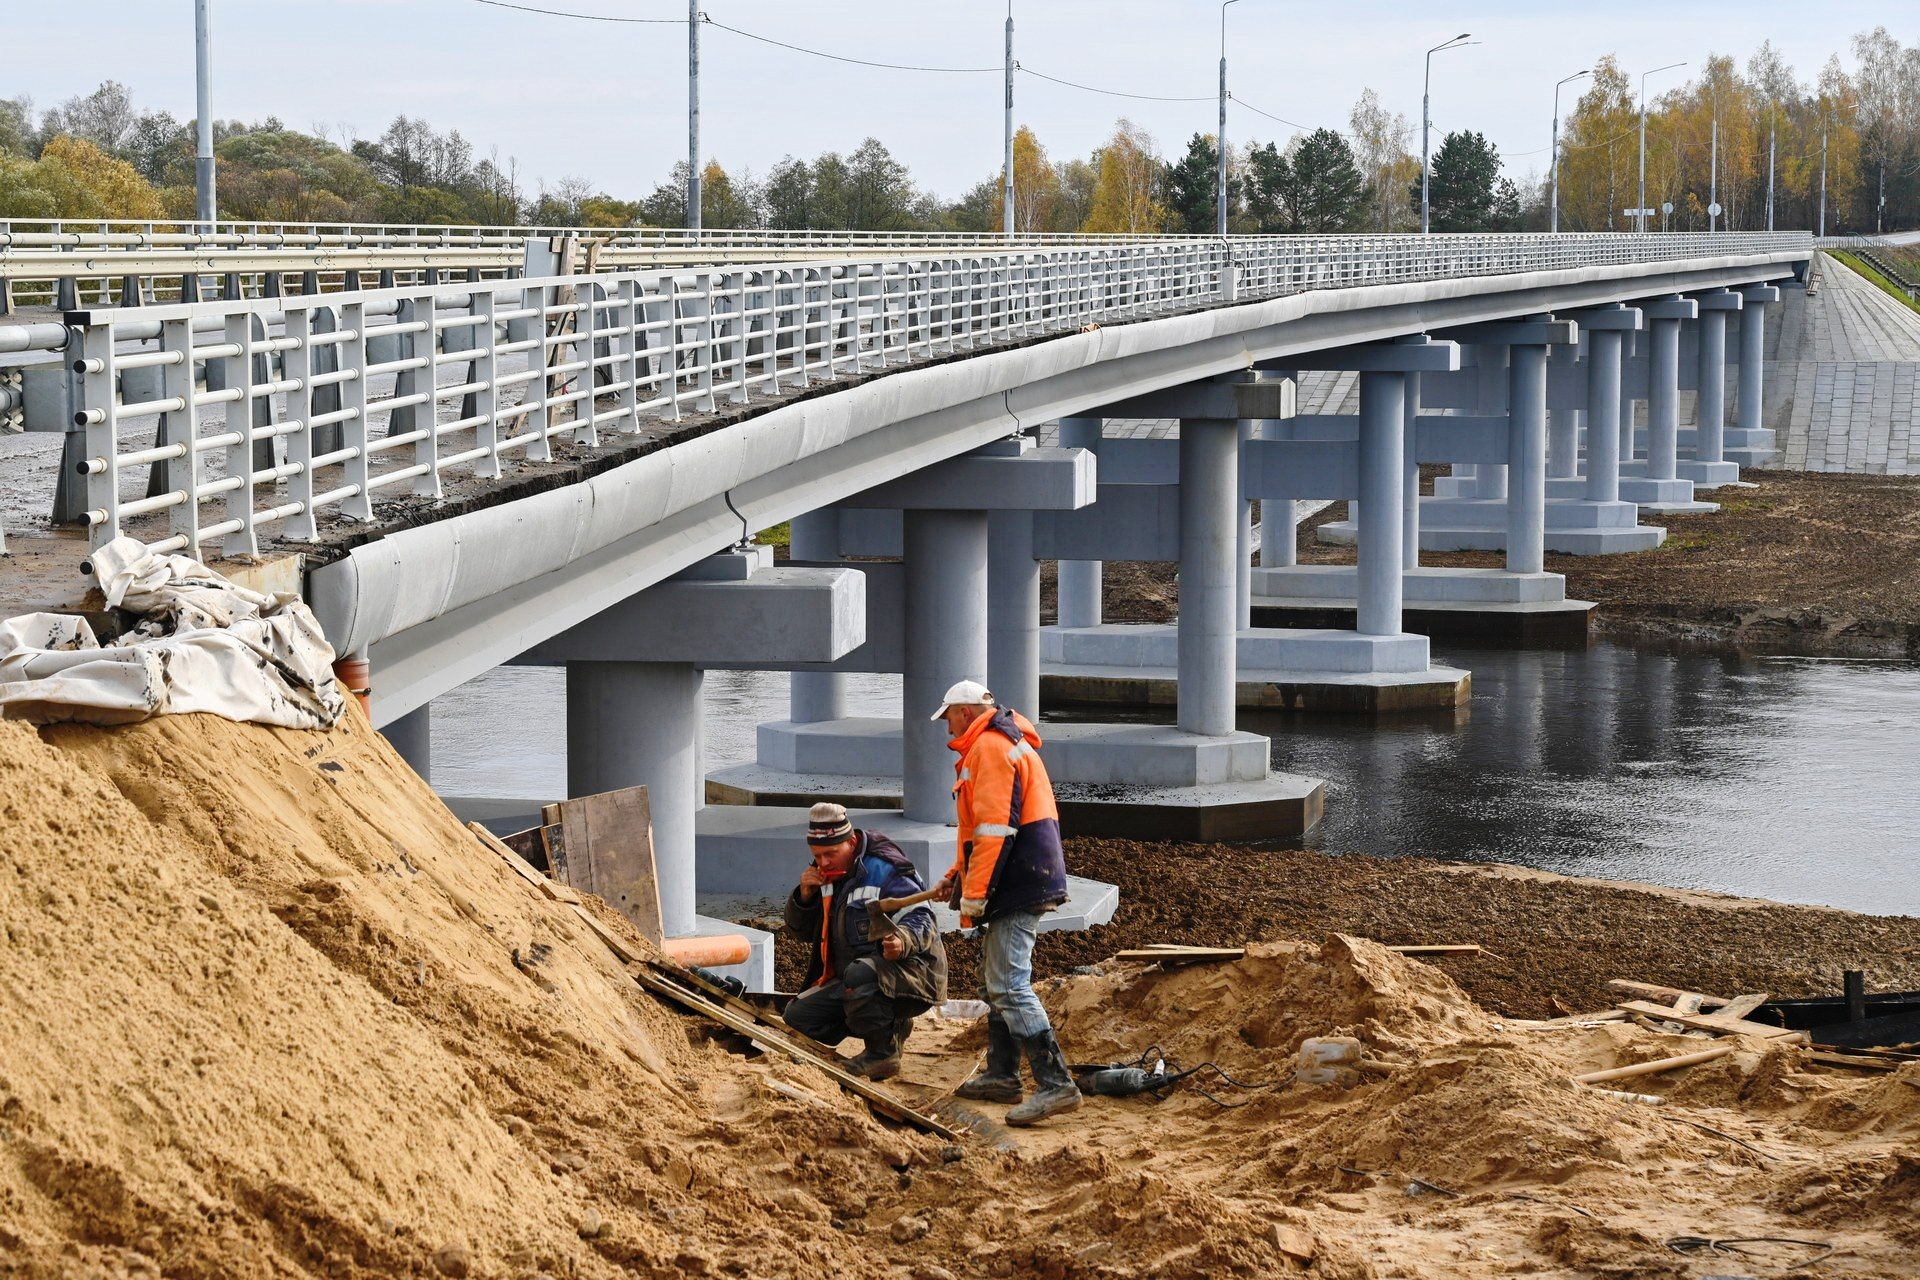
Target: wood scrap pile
(1719, 1019)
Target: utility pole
(1006, 186)
(204, 204)
(1426, 127)
(693, 117)
(1640, 213)
(1553, 165)
(1220, 151)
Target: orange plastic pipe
(357, 675)
(702, 953)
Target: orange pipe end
(705, 953)
(357, 675)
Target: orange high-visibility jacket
(1009, 854)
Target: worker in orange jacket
(1010, 871)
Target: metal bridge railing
(265, 416)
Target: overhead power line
(1291, 124)
(1111, 93)
(858, 62)
(583, 17)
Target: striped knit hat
(827, 823)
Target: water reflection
(1771, 778)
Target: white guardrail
(274, 412)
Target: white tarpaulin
(202, 644)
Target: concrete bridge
(567, 469)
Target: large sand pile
(270, 1011)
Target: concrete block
(1036, 480)
(1129, 522)
(757, 971)
(1118, 754)
(777, 616)
(1708, 475)
(1260, 650)
(1423, 585)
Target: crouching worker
(862, 981)
(1010, 871)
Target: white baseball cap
(968, 693)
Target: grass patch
(781, 535)
(1885, 285)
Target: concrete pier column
(1753, 352)
(1603, 413)
(1710, 433)
(1490, 478)
(816, 696)
(1527, 458)
(945, 555)
(412, 736)
(1382, 491)
(1663, 397)
(1079, 583)
(1209, 540)
(638, 724)
(1243, 576)
(1013, 612)
(1410, 498)
(1563, 443)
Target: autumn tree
(73, 178)
(1380, 143)
(1123, 200)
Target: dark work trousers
(851, 1005)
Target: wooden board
(1440, 949)
(1194, 955)
(1711, 1022)
(780, 1042)
(552, 888)
(1654, 991)
(606, 847)
(1741, 1006)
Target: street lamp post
(204, 204)
(1823, 174)
(1426, 125)
(1554, 164)
(1640, 213)
(1713, 164)
(1771, 113)
(1220, 151)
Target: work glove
(973, 908)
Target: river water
(1776, 778)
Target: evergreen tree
(1462, 194)
(1326, 193)
(1189, 186)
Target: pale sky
(607, 102)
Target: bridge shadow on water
(1770, 777)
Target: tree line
(101, 156)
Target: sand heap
(270, 1011)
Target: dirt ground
(271, 1012)
(1805, 563)
(1551, 941)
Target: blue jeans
(1006, 973)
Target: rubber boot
(1056, 1090)
(880, 1060)
(999, 1080)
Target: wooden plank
(1689, 1002)
(1656, 1066)
(744, 1007)
(1854, 1060)
(615, 943)
(1574, 1020)
(1653, 991)
(1198, 955)
(608, 841)
(1711, 1022)
(1440, 949)
(778, 1042)
(552, 888)
(1741, 1006)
